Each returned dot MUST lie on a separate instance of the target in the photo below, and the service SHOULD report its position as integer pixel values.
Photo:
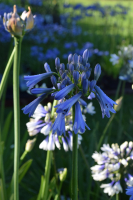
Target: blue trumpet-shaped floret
(105, 102)
(33, 80)
(30, 108)
(62, 93)
(65, 106)
(59, 124)
(79, 123)
(41, 90)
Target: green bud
(119, 102)
(63, 174)
(29, 145)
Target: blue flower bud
(63, 75)
(88, 73)
(63, 84)
(76, 76)
(85, 84)
(81, 68)
(80, 59)
(62, 67)
(54, 81)
(87, 65)
(83, 76)
(71, 68)
(67, 66)
(85, 55)
(92, 85)
(70, 58)
(97, 71)
(68, 80)
(57, 63)
(47, 67)
(75, 58)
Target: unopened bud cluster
(18, 25)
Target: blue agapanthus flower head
(71, 83)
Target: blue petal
(65, 106)
(62, 93)
(41, 90)
(30, 108)
(79, 123)
(33, 80)
(59, 124)
(83, 103)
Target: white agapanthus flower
(112, 164)
(90, 109)
(41, 122)
(125, 58)
(114, 59)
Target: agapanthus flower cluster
(42, 121)
(114, 164)
(18, 25)
(125, 60)
(70, 84)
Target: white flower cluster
(124, 57)
(112, 163)
(42, 122)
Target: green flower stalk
(47, 165)
(16, 115)
(75, 164)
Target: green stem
(23, 155)
(118, 89)
(2, 174)
(16, 115)
(75, 164)
(46, 176)
(57, 197)
(117, 196)
(105, 130)
(121, 112)
(6, 73)
(48, 165)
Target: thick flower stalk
(114, 164)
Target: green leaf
(24, 168)
(6, 127)
(1, 190)
(1, 147)
(41, 186)
(22, 171)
